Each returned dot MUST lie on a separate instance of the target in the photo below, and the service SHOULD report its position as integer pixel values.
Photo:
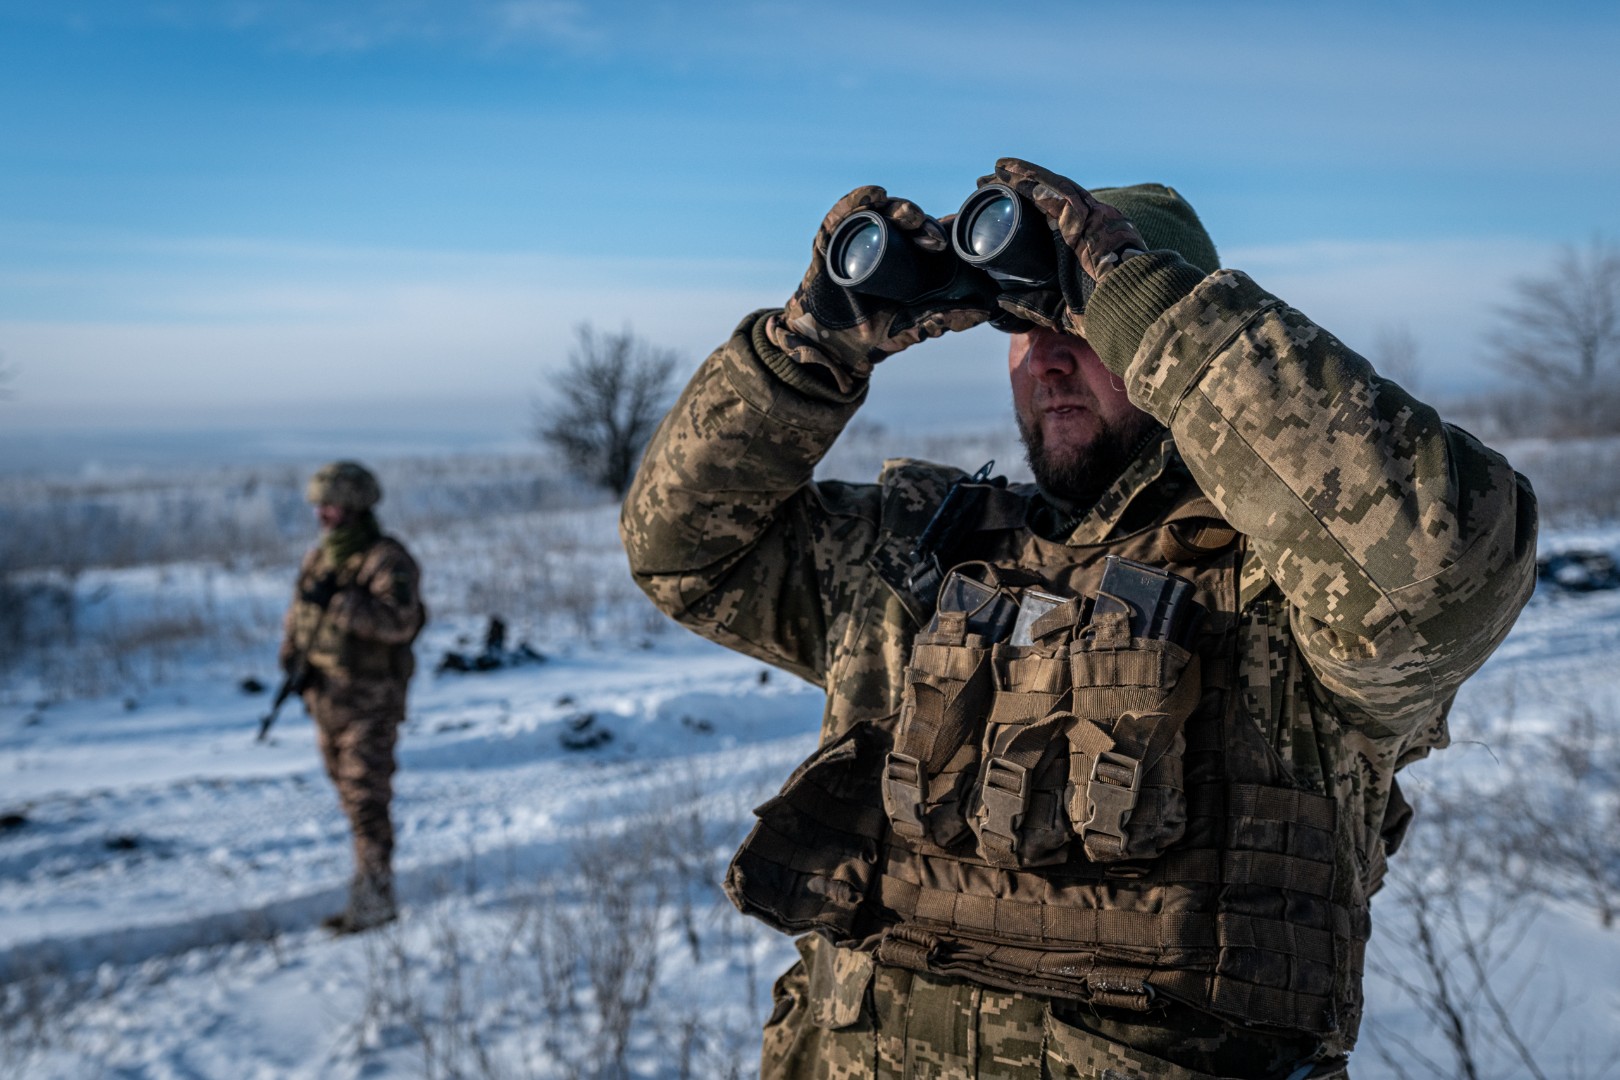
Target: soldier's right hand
(846, 332)
(320, 591)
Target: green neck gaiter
(352, 536)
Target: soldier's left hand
(1090, 237)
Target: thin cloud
(321, 27)
(486, 324)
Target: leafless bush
(1561, 819)
(33, 1006)
(1459, 922)
(565, 982)
(249, 516)
(865, 445)
(1577, 481)
(556, 575)
(1518, 411)
(1447, 945)
(43, 1006)
(33, 609)
(110, 632)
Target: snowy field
(563, 826)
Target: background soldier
(1047, 834)
(355, 611)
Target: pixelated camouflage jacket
(1387, 552)
(370, 621)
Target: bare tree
(606, 404)
(1561, 330)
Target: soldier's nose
(1053, 355)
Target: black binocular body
(998, 234)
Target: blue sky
(244, 212)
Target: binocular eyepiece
(1006, 236)
(997, 232)
(869, 254)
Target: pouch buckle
(1004, 793)
(1111, 794)
(902, 793)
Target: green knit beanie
(1165, 220)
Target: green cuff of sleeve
(806, 380)
(1130, 298)
(746, 364)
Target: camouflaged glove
(320, 591)
(1090, 238)
(846, 332)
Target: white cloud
(287, 322)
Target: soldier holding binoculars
(1106, 776)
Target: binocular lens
(1007, 236)
(991, 226)
(859, 251)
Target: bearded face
(1078, 425)
(1079, 477)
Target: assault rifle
(293, 683)
(296, 680)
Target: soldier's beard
(1078, 477)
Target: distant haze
(263, 221)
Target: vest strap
(1005, 786)
(1080, 976)
(1059, 926)
(902, 793)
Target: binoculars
(997, 233)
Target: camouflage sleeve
(289, 622)
(726, 531)
(386, 603)
(1405, 546)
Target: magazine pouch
(1131, 698)
(928, 775)
(1019, 818)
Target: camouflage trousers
(356, 727)
(839, 1016)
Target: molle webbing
(974, 833)
(1250, 934)
(1056, 974)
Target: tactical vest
(1089, 815)
(334, 654)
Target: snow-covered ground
(562, 830)
(182, 866)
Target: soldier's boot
(371, 904)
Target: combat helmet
(344, 483)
